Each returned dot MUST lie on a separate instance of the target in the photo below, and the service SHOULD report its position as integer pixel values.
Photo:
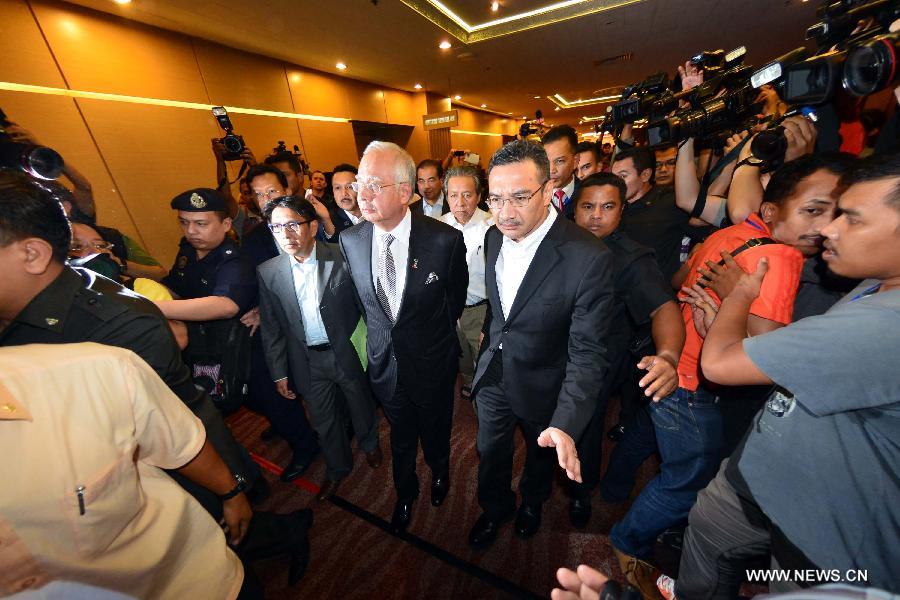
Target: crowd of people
(746, 325)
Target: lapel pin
(415, 264)
(51, 321)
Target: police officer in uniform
(647, 331)
(215, 285)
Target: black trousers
(287, 417)
(496, 428)
(429, 419)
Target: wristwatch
(240, 487)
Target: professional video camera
(856, 51)
(282, 150)
(234, 144)
(40, 162)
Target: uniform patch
(197, 201)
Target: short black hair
(301, 206)
(876, 168)
(589, 147)
(259, 170)
(430, 162)
(598, 180)
(561, 132)
(642, 157)
(787, 177)
(29, 209)
(518, 151)
(289, 157)
(344, 168)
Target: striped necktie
(386, 286)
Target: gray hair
(404, 165)
(463, 171)
(519, 151)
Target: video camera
(861, 60)
(40, 162)
(281, 149)
(234, 144)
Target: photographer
(242, 212)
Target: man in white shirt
(549, 288)
(411, 277)
(462, 189)
(429, 182)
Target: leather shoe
(579, 512)
(439, 487)
(296, 468)
(484, 531)
(328, 489)
(528, 521)
(639, 574)
(375, 457)
(402, 515)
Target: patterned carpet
(353, 556)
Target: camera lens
(38, 161)
(871, 67)
(233, 144)
(769, 145)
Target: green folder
(358, 339)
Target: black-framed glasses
(290, 226)
(99, 245)
(496, 202)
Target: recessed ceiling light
(537, 97)
(457, 97)
(509, 113)
(340, 66)
(524, 117)
(122, 1)
(484, 106)
(445, 45)
(557, 108)
(418, 86)
(495, 6)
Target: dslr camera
(40, 162)
(233, 143)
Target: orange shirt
(776, 298)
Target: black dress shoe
(439, 487)
(484, 531)
(528, 521)
(297, 468)
(615, 434)
(579, 512)
(402, 515)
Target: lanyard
(867, 292)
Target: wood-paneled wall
(138, 156)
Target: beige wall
(138, 156)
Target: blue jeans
(688, 428)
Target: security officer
(646, 317)
(215, 285)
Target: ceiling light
(418, 86)
(484, 106)
(537, 97)
(509, 113)
(457, 97)
(122, 1)
(445, 45)
(495, 6)
(340, 66)
(557, 108)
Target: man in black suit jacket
(560, 143)
(543, 358)
(308, 312)
(411, 277)
(344, 210)
(431, 200)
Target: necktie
(559, 195)
(386, 286)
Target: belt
(320, 347)
(477, 304)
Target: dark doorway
(365, 132)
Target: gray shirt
(822, 458)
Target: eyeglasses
(98, 245)
(268, 195)
(516, 200)
(290, 226)
(667, 163)
(372, 186)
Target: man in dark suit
(560, 144)
(430, 185)
(411, 276)
(543, 357)
(345, 212)
(308, 312)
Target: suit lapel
(544, 261)
(490, 274)
(283, 287)
(325, 266)
(412, 257)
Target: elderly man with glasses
(544, 355)
(410, 274)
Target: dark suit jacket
(423, 339)
(340, 220)
(259, 244)
(554, 341)
(281, 323)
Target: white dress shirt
(353, 218)
(433, 210)
(473, 235)
(306, 286)
(514, 260)
(400, 252)
(568, 190)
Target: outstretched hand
(565, 450)
(584, 583)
